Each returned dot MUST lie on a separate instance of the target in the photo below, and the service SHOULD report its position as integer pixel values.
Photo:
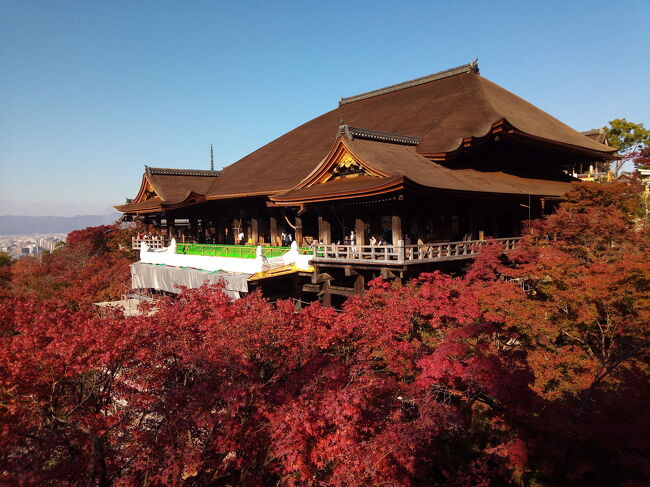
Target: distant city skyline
(93, 91)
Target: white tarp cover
(168, 278)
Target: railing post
(400, 251)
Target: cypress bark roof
(441, 110)
(438, 115)
(401, 165)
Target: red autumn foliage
(529, 370)
(92, 266)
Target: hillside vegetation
(529, 370)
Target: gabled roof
(390, 167)
(444, 112)
(599, 135)
(164, 188)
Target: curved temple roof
(440, 113)
(442, 110)
(398, 165)
(163, 188)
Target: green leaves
(626, 136)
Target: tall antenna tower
(211, 158)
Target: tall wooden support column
(397, 229)
(171, 227)
(220, 236)
(255, 234)
(360, 231)
(194, 228)
(359, 284)
(273, 230)
(326, 295)
(298, 231)
(158, 221)
(324, 231)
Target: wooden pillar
(298, 236)
(326, 296)
(254, 231)
(220, 236)
(397, 229)
(194, 228)
(359, 284)
(273, 230)
(324, 231)
(171, 227)
(360, 231)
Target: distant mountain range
(28, 225)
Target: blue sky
(90, 91)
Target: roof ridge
(465, 68)
(369, 134)
(162, 171)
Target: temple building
(391, 182)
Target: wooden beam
(341, 291)
(311, 288)
(387, 273)
(321, 277)
(349, 271)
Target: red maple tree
(531, 369)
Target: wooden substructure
(342, 271)
(395, 235)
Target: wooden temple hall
(393, 182)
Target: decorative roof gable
(340, 163)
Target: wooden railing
(404, 254)
(153, 242)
